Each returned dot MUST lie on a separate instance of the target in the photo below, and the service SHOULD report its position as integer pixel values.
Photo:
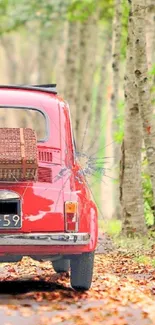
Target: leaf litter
(123, 292)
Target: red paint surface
(43, 201)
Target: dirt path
(123, 292)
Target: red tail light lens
(71, 217)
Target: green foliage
(112, 227)
(124, 34)
(14, 13)
(148, 195)
(152, 82)
(118, 136)
(153, 262)
(152, 70)
(144, 259)
(81, 10)
(138, 246)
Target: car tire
(82, 271)
(61, 265)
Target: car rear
(51, 216)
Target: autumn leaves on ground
(123, 292)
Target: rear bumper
(45, 239)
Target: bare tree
(105, 59)
(116, 53)
(150, 32)
(8, 44)
(59, 52)
(87, 64)
(71, 69)
(130, 172)
(143, 87)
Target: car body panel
(43, 201)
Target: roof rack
(49, 88)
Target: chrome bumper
(44, 239)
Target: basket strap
(22, 145)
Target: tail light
(71, 216)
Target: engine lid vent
(45, 155)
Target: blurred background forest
(82, 47)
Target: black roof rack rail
(49, 88)
(46, 86)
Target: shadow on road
(21, 287)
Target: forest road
(122, 293)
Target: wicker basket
(18, 154)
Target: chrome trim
(45, 239)
(7, 195)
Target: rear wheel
(61, 265)
(82, 271)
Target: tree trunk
(116, 52)
(107, 184)
(8, 43)
(130, 167)
(106, 56)
(87, 60)
(143, 87)
(150, 32)
(27, 61)
(71, 70)
(60, 57)
(42, 59)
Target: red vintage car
(53, 217)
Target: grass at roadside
(144, 259)
(142, 249)
(111, 227)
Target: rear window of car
(17, 117)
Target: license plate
(10, 221)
